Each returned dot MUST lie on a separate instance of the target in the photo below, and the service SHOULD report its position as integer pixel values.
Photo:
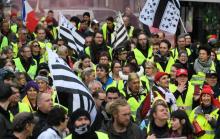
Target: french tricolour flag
(28, 15)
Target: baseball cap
(181, 72)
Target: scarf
(200, 66)
(168, 96)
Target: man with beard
(25, 62)
(163, 59)
(121, 126)
(98, 46)
(80, 126)
(143, 50)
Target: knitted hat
(78, 113)
(159, 75)
(31, 84)
(43, 78)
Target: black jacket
(132, 132)
(5, 124)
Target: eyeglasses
(36, 45)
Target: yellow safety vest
(188, 100)
(54, 33)
(22, 107)
(4, 43)
(175, 53)
(199, 78)
(118, 84)
(203, 123)
(15, 49)
(87, 50)
(168, 67)
(130, 31)
(31, 71)
(104, 32)
(140, 57)
(100, 135)
(14, 28)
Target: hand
(208, 117)
(181, 87)
(151, 137)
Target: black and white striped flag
(120, 33)
(69, 33)
(162, 14)
(65, 80)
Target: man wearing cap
(5, 124)
(80, 126)
(161, 89)
(94, 26)
(212, 80)
(206, 114)
(23, 125)
(184, 91)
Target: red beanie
(159, 75)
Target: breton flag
(120, 33)
(69, 33)
(28, 16)
(66, 81)
(162, 14)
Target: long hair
(187, 129)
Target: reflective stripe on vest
(187, 105)
(31, 71)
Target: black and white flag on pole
(65, 80)
(69, 33)
(161, 14)
(120, 33)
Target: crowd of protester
(143, 89)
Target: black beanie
(76, 114)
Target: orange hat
(181, 72)
(159, 75)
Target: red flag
(29, 18)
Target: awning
(212, 1)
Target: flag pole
(181, 21)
